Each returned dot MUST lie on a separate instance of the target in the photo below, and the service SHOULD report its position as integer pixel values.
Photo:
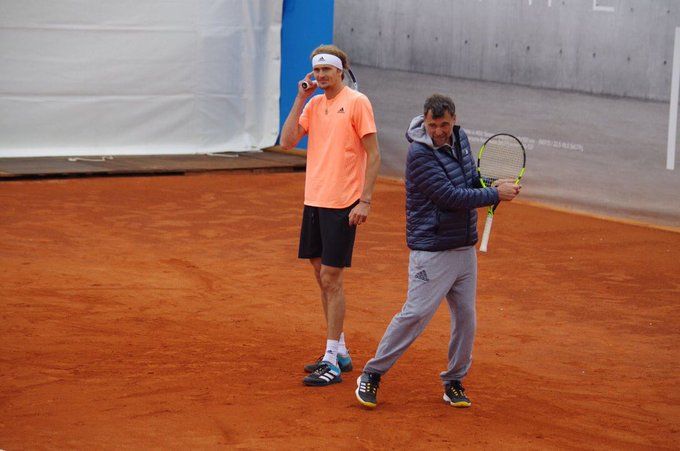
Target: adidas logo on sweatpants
(422, 275)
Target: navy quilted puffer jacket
(442, 192)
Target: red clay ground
(171, 312)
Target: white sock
(342, 347)
(331, 354)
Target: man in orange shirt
(342, 165)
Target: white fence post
(673, 114)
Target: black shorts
(326, 233)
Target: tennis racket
(501, 157)
(349, 80)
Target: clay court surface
(172, 313)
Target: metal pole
(673, 115)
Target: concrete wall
(617, 47)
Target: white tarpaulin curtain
(101, 77)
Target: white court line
(102, 158)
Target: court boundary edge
(569, 210)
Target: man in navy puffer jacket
(442, 193)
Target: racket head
(350, 80)
(502, 156)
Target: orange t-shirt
(336, 158)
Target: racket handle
(487, 232)
(306, 85)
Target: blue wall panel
(305, 26)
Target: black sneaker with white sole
(367, 389)
(325, 374)
(454, 394)
(344, 363)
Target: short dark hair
(438, 104)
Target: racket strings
(501, 159)
(350, 80)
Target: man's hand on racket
(359, 213)
(307, 86)
(507, 189)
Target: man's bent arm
(292, 131)
(423, 169)
(370, 142)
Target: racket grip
(487, 231)
(306, 85)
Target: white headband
(326, 58)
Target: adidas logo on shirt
(341, 110)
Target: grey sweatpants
(433, 276)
